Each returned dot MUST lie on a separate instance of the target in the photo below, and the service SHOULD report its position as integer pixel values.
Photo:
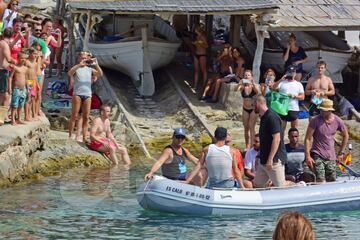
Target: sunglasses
(37, 30)
(180, 137)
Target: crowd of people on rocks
(28, 45)
(268, 161)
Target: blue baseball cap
(179, 132)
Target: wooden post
(231, 29)
(209, 28)
(87, 31)
(235, 25)
(114, 24)
(259, 51)
(341, 34)
(69, 19)
(194, 20)
(358, 90)
(60, 8)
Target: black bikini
(250, 95)
(83, 98)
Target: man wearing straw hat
(321, 156)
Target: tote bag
(279, 103)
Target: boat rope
(147, 183)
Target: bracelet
(341, 153)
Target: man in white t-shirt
(295, 90)
(250, 158)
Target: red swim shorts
(95, 145)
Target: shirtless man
(31, 80)
(18, 86)
(102, 139)
(318, 87)
(5, 61)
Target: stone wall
(32, 150)
(231, 99)
(18, 144)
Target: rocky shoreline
(42, 152)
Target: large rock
(230, 98)
(18, 143)
(32, 150)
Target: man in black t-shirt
(272, 148)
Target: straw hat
(326, 105)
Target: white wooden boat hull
(129, 58)
(318, 45)
(335, 61)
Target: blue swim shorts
(18, 98)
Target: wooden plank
(190, 105)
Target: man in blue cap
(172, 160)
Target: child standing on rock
(18, 88)
(31, 80)
(39, 72)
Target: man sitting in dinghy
(294, 167)
(172, 160)
(239, 160)
(250, 158)
(220, 161)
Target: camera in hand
(291, 72)
(89, 62)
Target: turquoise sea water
(101, 204)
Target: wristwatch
(341, 153)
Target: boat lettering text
(187, 193)
(172, 189)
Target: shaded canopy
(174, 6)
(292, 15)
(317, 15)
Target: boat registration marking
(191, 194)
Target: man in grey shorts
(321, 157)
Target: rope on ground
(190, 105)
